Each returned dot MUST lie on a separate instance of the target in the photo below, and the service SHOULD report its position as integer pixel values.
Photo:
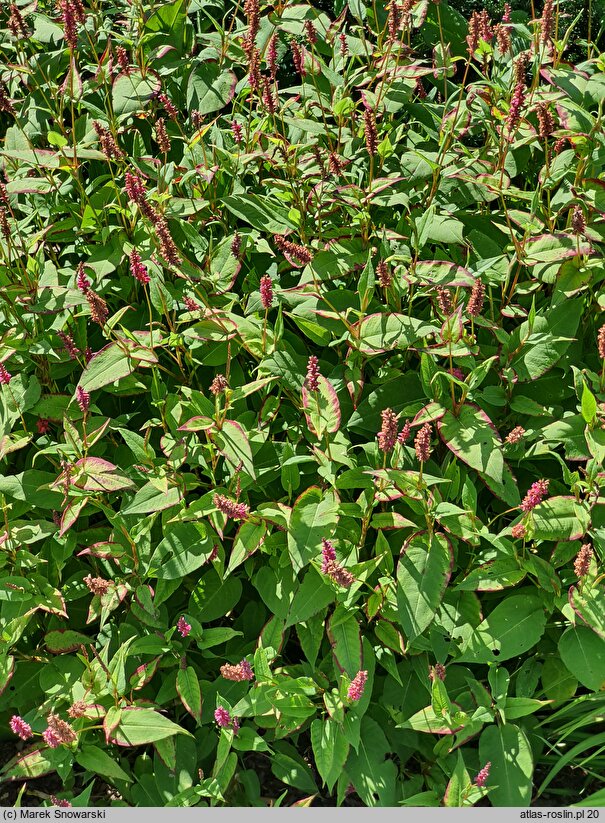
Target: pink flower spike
(5, 377)
(357, 686)
(20, 727)
(82, 282)
(60, 802)
(222, 717)
(534, 495)
(82, 399)
(51, 738)
(481, 778)
(183, 627)
(137, 269)
(328, 555)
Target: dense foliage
(302, 368)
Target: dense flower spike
(69, 343)
(171, 109)
(384, 275)
(578, 221)
(122, 57)
(243, 671)
(444, 298)
(601, 342)
(16, 24)
(295, 250)
(272, 56)
(183, 627)
(60, 802)
(5, 102)
(394, 20)
(98, 585)
(344, 45)
(519, 531)
(137, 269)
(422, 443)
(472, 38)
(387, 436)
(535, 495)
(546, 122)
(475, 303)
(370, 131)
(357, 686)
(236, 511)
(5, 376)
(310, 32)
(77, 709)
(437, 671)
(161, 135)
(59, 732)
(547, 22)
(222, 717)
(515, 435)
(266, 291)
(339, 575)
(168, 250)
(43, 425)
(404, 434)
(313, 374)
(98, 307)
(109, 147)
(82, 281)
(581, 564)
(219, 384)
(328, 555)
(514, 113)
(481, 778)
(298, 57)
(82, 399)
(236, 245)
(21, 728)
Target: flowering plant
(302, 396)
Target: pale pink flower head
(243, 671)
(387, 436)
(534, 495)
(20, 727)
(183, 627)
(481, 778)
(581, 564)
(357, 686)
(518, 531)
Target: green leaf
(150, 498)
(132, 91)
(458, 785)
(322, 409)
(112, 363)
(374, 778)
(34, 762)
(100, 762)
(184, 549)
(209, 88)
(260, 212)
(233, 443)
(493, 576)
(513, 627)
(533, 351)
(472, 438)
(330, 750)
(61, 641)
(560, 518)
(345, 637)
(136, 727)
(382, 332)
(508, 751)
(589, 604)
(292, 772)
(423, 573)
(589, 404)
(188, 689)
(249, 538)
(313, 517)
(311, 596)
